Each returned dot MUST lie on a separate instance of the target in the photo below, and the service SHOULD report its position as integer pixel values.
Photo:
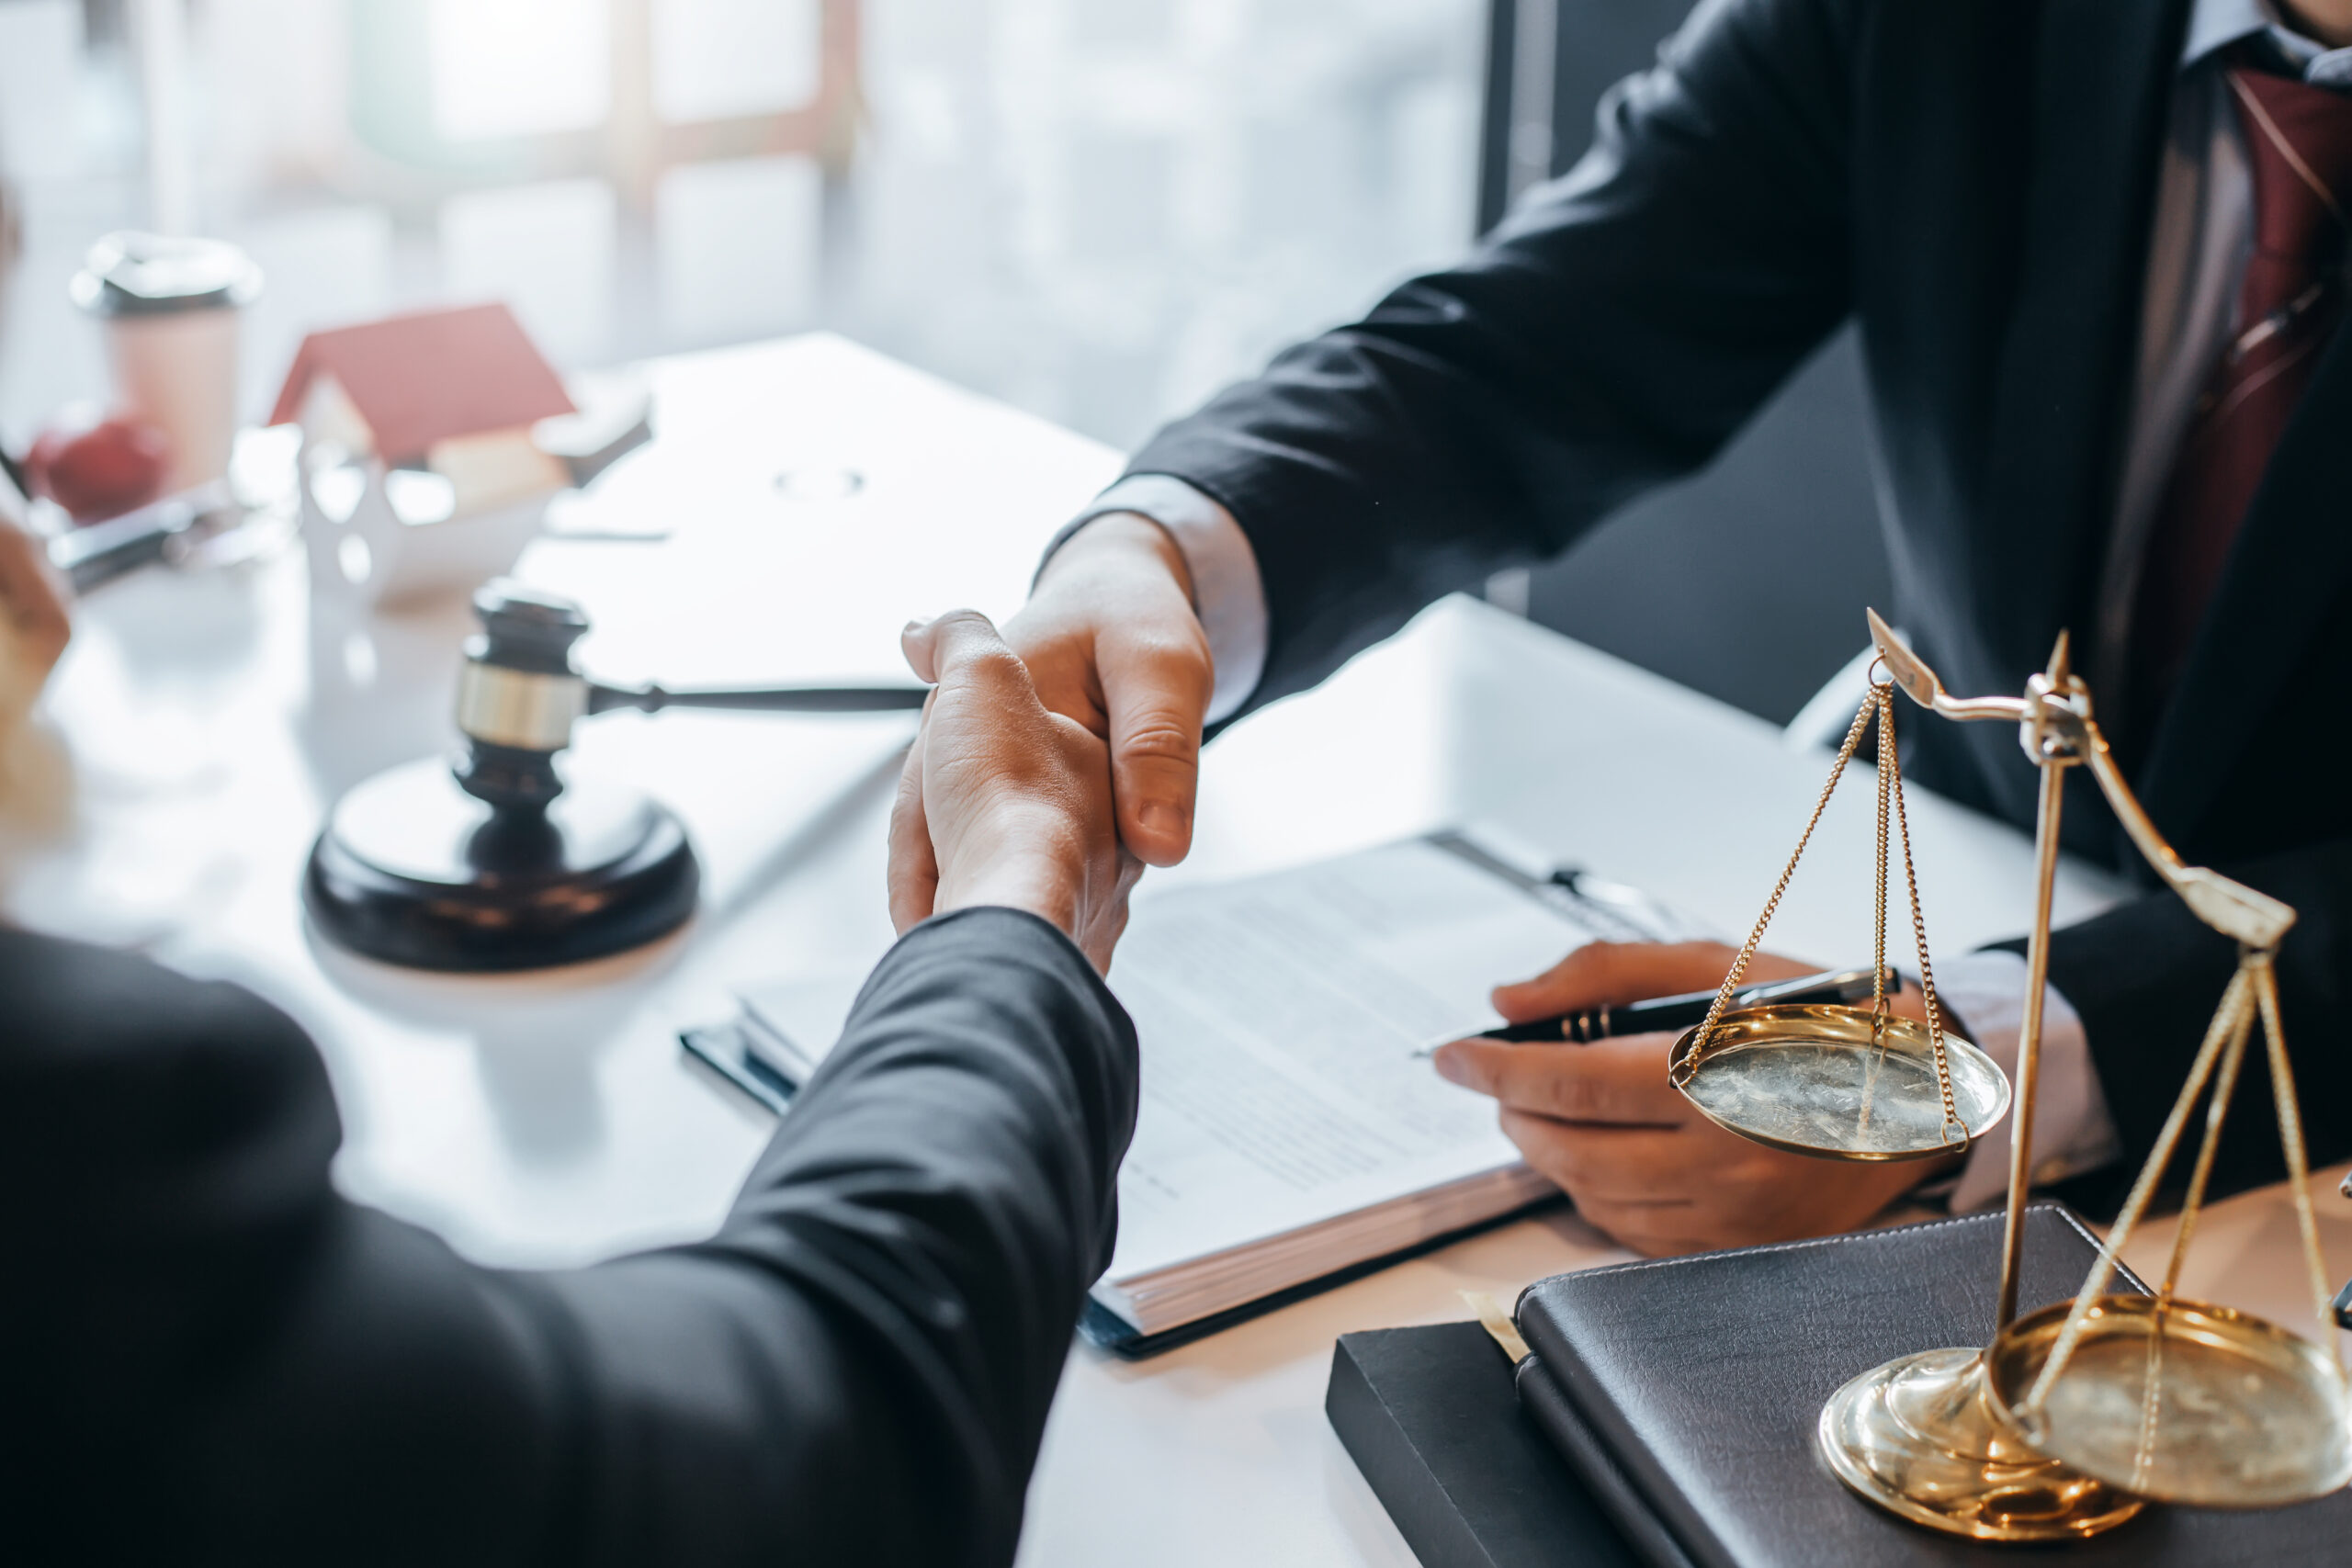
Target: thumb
(1155, 697)
(952, 646)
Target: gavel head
(518, 695)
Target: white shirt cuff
(2073, 1132)
(1228, 593)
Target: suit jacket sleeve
(211, 1356)
(2145, 977)
(1614, 333)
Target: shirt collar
(2214, 25)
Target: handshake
(1058, 759)
(1002, 800)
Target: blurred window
(1099, 209)
(518, 67)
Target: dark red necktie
(2298, 140)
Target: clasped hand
(1001, 801)
(1085, 714)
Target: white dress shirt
(2203, 230)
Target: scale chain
(1877, 950)
(1878, 704)
(1680, 1074)
(1918, 929)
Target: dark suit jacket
(1975, 182)
(207, 1355)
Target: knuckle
(997, 671)
(1158, 739)
(1607, 967)
(1172, 653)
(1176, 650)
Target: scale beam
(2055, 718)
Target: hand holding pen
(1642, 1165)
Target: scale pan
(1807, 1079)
(2247, 1414)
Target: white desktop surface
(551, 1118)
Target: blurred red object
(97, 468)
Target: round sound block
(413, 870)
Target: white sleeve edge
(1228, 593)
(2073, 1131)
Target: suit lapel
(2285, 571)
(2102, 88)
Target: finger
(1613, 972)
(31, 598)
(960, 645)
(914, 864)
(1110, 921)
(1623, 1165)
(1610, 973)
(1156, 691)
(1618, 1081)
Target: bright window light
(519, 67)
(714, 58)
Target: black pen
(1662, 1013)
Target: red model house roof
(425, 378)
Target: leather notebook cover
(1701, 1378)
(1430, 1418)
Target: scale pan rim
(2016, 1356)
(1979, 1086)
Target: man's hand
(1640, 1161)
(1111, 642)
(1110, 638)
(1002, 802)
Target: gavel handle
(778, 699)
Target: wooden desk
(552, 1118)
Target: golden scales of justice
(2077, 1416)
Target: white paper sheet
(1280, 1019)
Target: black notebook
(1698, 1380)
(1429, 1416)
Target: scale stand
(2077, 1416)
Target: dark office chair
(1747, 582)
